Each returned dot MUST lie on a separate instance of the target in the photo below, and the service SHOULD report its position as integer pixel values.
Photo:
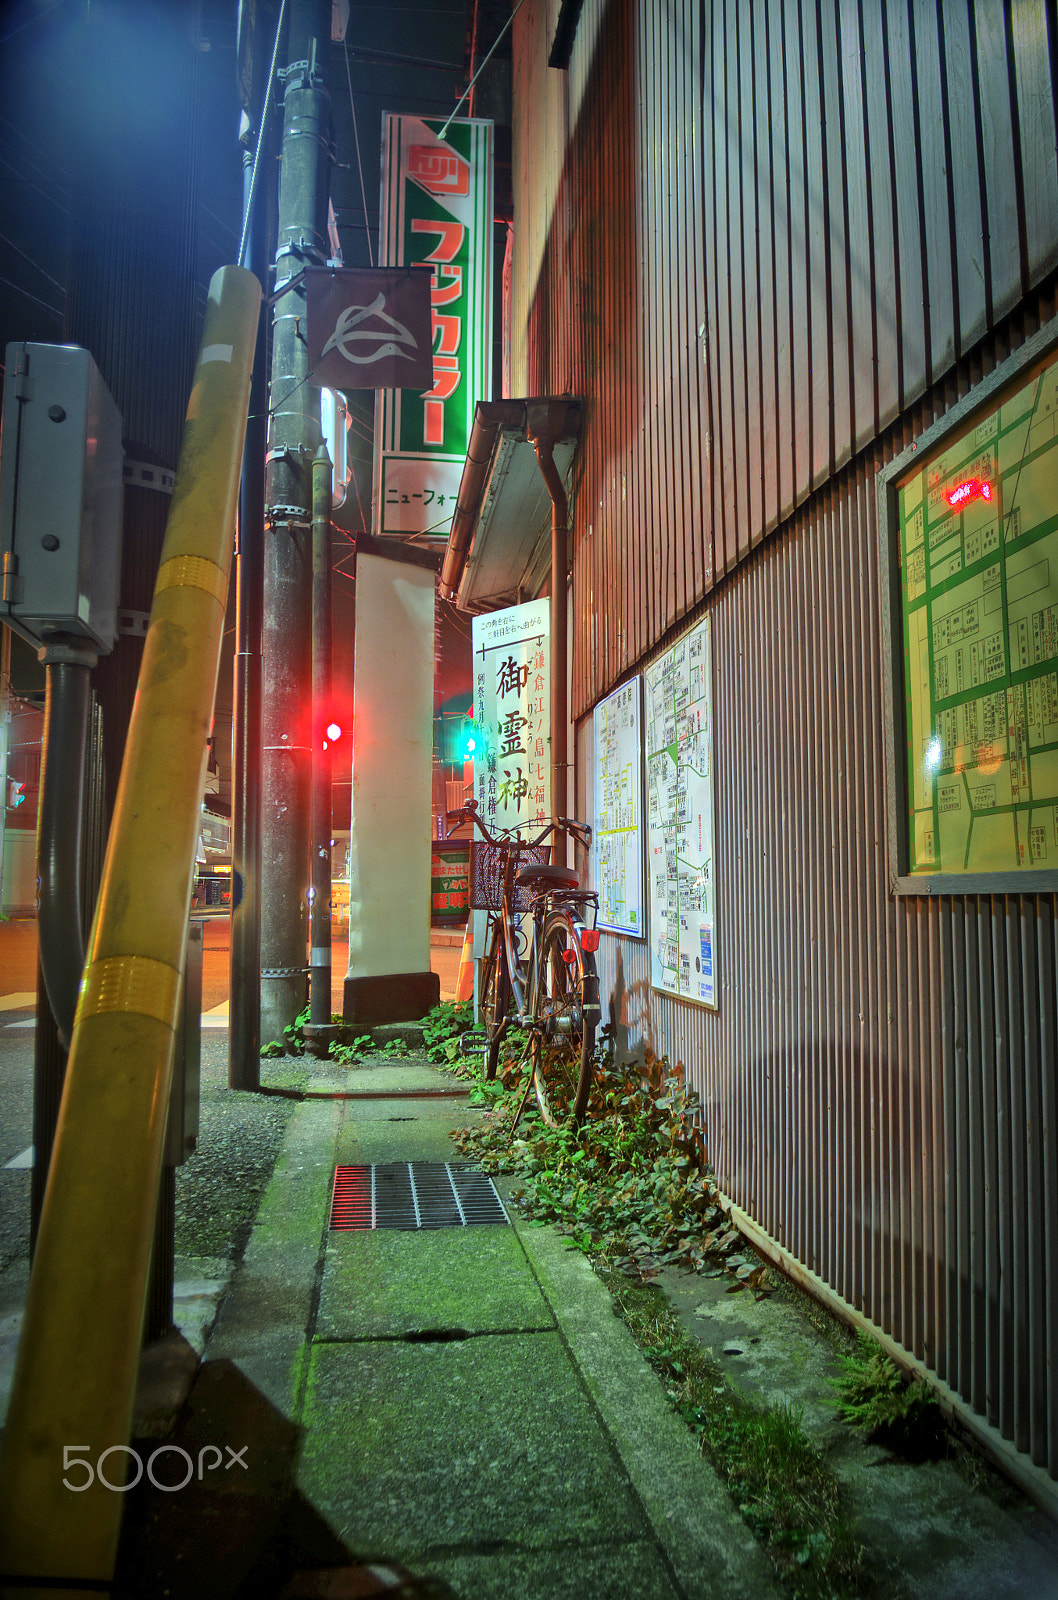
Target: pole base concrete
(392, 997)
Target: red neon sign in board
(969, 489)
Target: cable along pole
(293, 441)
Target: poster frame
(622, 931)
(1038, 351)
(711, 1005)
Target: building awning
(499, 549)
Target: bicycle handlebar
(581, 831)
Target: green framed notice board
(971, 516)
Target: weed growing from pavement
(631, 1180)
(631, 1188)
(443, 1030)
(779, 1480)
(873, 1394)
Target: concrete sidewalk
(459, 1401)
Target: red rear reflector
(589, 939)
(569, 955)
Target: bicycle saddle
(545, 877)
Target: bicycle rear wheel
(565, 1010)
(495, 994)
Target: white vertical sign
(512, 710)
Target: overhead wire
(485, 61)
(56, 311)
(260, 134)
(30, 21)
(359, 162)
(21, 254)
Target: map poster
(618, 820)
(512, 711)
(681, 887)
(978, 529)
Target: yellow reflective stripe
(130, 983)
(194, 572)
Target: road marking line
(17, 1002)
(23, 1160)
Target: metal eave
(499, 549)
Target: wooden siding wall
(785, 238)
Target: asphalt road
(219, 1187)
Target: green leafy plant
(873, 1394)
(632, 1178)
(348, 1051)
(293, 1041)
(444, 1028)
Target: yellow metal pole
(66, 1443)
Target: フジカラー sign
(436, 212)
(369, 327)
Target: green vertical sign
(436, 212)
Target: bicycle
(554, 993)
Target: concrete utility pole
(294, 438)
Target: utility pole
(294, 438)
(260, 150)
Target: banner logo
(349, 330)
(369, 328)
(439, 170)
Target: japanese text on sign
(512, 710)
(618, 825)
(678, 691)
(436, 213)
(978, 529)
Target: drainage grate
(414, 1194)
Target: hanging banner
(369, 328)
(512, 711)
(436, 212)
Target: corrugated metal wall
(776, 242)
(751, 236)
(879, 1078)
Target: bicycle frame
(553, 991)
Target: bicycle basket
(487, 862)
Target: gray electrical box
(60, 496)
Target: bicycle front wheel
(565, 1012)
(495, 1002)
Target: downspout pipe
(67, 664)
